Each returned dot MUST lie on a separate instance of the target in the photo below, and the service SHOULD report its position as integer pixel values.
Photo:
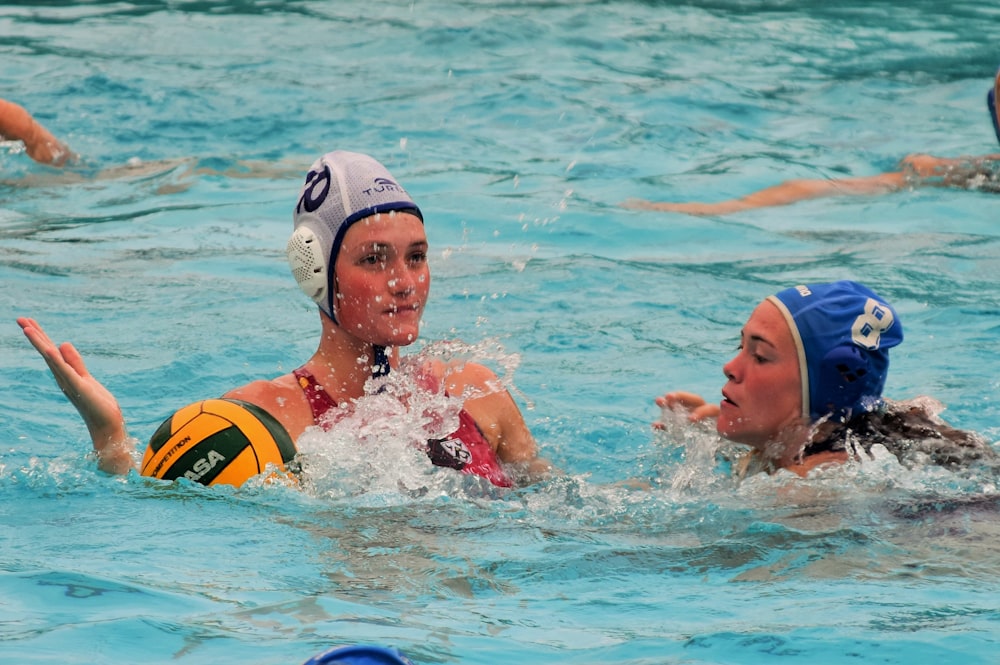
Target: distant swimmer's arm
(17, 124)
(689, 207)
(95, 403)
(790, 191)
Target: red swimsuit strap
(319, 401)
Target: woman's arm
(95, 403)
(914, 171)
(16, 123)
(790, 191)
(498, 416)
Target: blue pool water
(519, 127)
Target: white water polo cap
(341, 188)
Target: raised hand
(95, 403)
(684, 402)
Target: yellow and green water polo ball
(217, 442)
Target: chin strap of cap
(381, 365)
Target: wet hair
(909, 431)
(978, 175)
(984, 178)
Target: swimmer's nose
(403, 282)
(730, 368)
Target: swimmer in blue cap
(973, 173)
(809, 374)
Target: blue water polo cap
(843, 332)
(360, 655)
(991, 101)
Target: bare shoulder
(462, 377)
(489, 403)
(282, 398)
(474, 375)
(825, 459)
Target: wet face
(382, 279)
(762, 400)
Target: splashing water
(377, 445)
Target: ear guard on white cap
(305, 256)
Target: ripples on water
(519, 128)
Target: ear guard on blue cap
(848, 375)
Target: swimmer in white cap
(359, 250)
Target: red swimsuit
(466, 449)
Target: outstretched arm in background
(949, 171)
(915, 171)
(790, 191)
(17, 124)
(97, 406)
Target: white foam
(376, 445)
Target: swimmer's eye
(418, 257)
(758, 358)
(373, 259)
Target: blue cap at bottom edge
(359, 655)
